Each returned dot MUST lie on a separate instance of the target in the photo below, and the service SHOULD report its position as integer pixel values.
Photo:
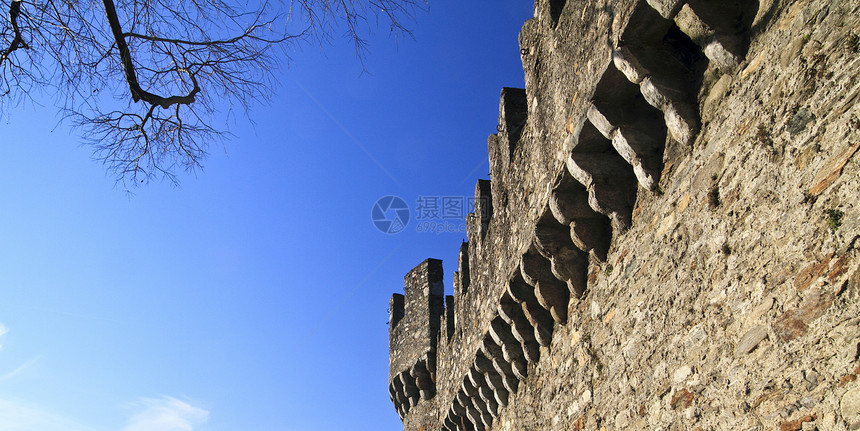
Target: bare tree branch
(18, 40)
(144, 80)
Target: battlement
(648, 213)
(414, 324)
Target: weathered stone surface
(750, 340)
(795, 323)
(797, 424)
(679, 116)
(682, 373)
(722, 293)
(483, 206)
(626, 62)
(831, 172)
(463, 264)
(667, 8)
(805, 277)
(419, 311)
(850, 405)
(717, 93)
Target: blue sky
(254, 296)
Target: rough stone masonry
(670, 237)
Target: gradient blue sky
(255, 296)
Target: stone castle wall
(669, 238)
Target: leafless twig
(143, 79)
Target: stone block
(667, 8)
(750, 340)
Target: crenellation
(513, 114)
(556, 7)
(395, 310)
(448, 322)
(483, 206)
(414, 328)
(606, 285)
(463, 265)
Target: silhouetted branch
(18, 40)
(144, 79)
